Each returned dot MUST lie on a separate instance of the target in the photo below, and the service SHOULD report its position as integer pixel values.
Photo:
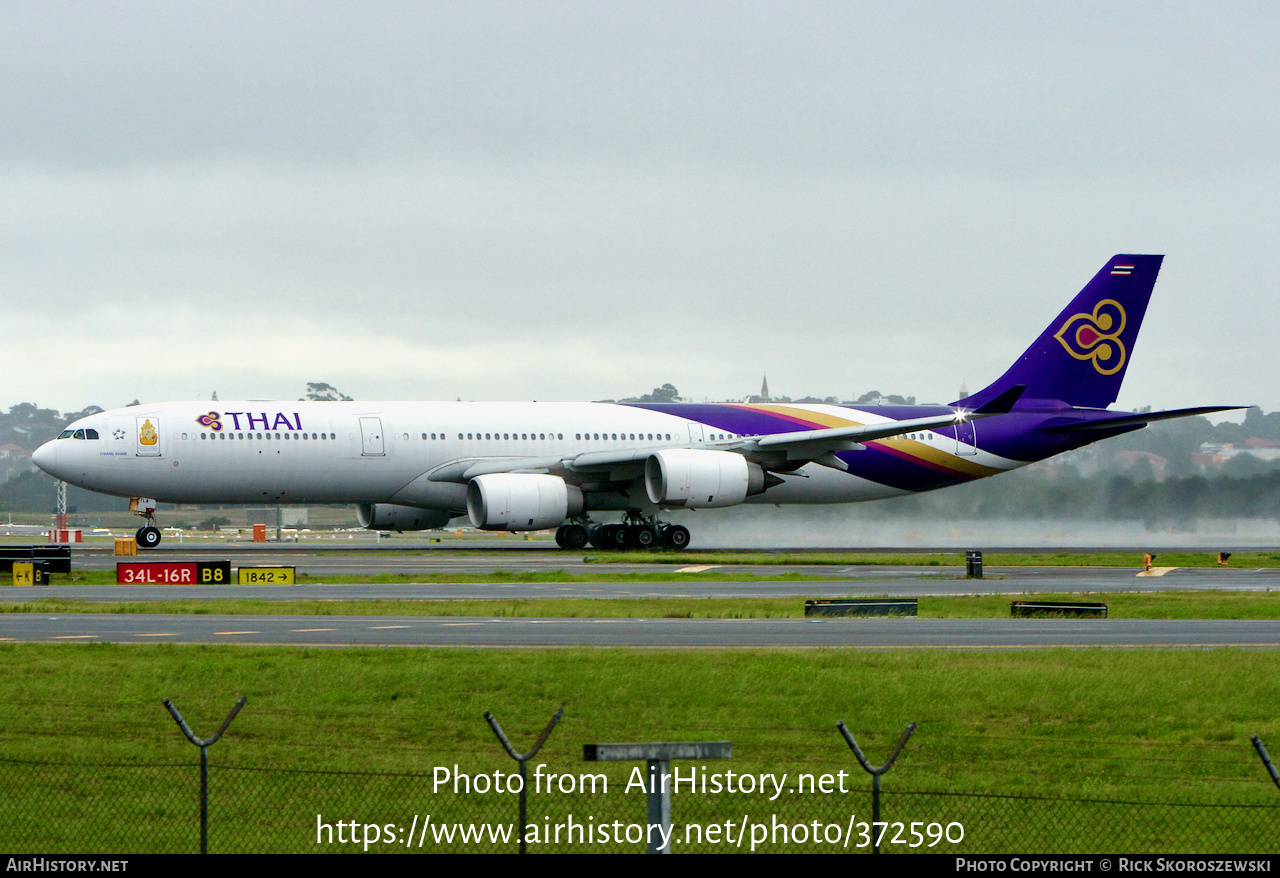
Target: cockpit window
(79, 434)
(65, 434)
(91, 434)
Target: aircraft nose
(46, 457)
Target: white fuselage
(350, 452)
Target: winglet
(1002, 403)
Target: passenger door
(371, 437)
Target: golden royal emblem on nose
(1096, 336)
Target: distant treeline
(1037, 494)
(1029, 494)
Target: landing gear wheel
(644, 538)
(572, 536)
(148, 537)
(676, 536)
(612, 536)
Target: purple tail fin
(1081, 358)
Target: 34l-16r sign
(173, 573)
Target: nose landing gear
(148, 535)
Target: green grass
(1155, 723)
(1143, 725)
(1155, 605)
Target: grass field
(1128, 725)
(1155, 605)
(1154, 723)
(358, 734)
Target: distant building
(1213, 455)
(1158, 464)
(14, 460)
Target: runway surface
(488, 632)
(837, 581)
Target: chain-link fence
(108, 808)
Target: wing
(786, 450)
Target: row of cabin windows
(225, 436)
(526, 436)
(610, 436)
(655, 437)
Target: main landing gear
(636, 532)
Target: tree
(665, 393)
(318, 391)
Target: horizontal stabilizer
(1139, 420)
(1002, 403)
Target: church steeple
(764, 389)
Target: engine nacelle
(521, 501)
(697, 479)
(388, 516)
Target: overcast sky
(584, 200)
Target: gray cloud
(569, 201)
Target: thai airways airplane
(529, 466)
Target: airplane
(528, 466)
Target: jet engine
(521, 501)
(388, 516)
(698, 479)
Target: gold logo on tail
(1096, 336)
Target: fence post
(1266, 760)
(875, 772)
(657, 756)
(522, 759)
(204, 745)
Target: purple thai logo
(1096, 336)
(263, 421)
(212, 421)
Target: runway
(497, 632)
(836, 581)
(489, 632)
